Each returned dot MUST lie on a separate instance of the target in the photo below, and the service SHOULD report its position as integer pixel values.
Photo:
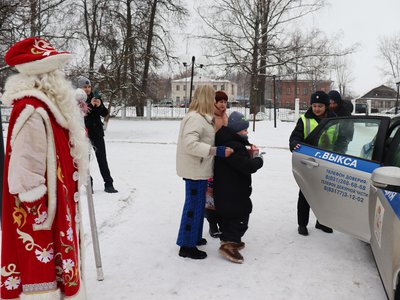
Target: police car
(352, 183)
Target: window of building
(215, 87)
(288, 91)
(178, 99)
(298, 91)
(222, 87)
(305, 91)
(184, 87)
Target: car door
(385, 215)
(333, 170)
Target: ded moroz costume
(46, 161)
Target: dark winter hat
(237, 121)
(335, 96)
(82, 81)
(320, 97)
(220, 95)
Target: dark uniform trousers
(100, 151)
(303, 210)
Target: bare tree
(249, 34)
(156, 37)
(389, 53)
(94, 13)
(343, 74)
(312, 55)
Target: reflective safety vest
(308, 124)
(327, 137)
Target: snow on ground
(138, 228)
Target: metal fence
(162, 113)
(176, 113)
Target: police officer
(318, 110)
(94, 126)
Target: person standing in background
(339, 106)
(220, 119)
(194, 163)
(342, 108)
(94, 126)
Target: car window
(392, 145)
(396, 157)
(351, 137)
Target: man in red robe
(45, 163)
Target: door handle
(309, 162)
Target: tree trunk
(264, 13)
(147, 58)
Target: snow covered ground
(138, 228)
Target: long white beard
(60, 93)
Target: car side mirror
(387, 178)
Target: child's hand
(95, 102)
(228, 152)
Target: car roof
(395, 119)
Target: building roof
(199, 78)
(305, 80)
(382, 92)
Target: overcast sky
(363, 22)
(355, 21)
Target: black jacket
(93, 121)
(232, 175)
(344, 109)
(297, 135)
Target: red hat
(35, 56)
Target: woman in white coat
(194, 163)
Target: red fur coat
(40, 227)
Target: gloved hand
(220, 151)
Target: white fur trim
(34, 194)
(51, 174)
(49, 295)
(44, 65)
(19, 123)
(43, 98)
(55, 295)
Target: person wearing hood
(318, 110)
(232, 185)
(342, 108)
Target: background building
(180, 88)
(382, 98)
(286, 91)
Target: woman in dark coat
(318, 110)
(232, 185)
